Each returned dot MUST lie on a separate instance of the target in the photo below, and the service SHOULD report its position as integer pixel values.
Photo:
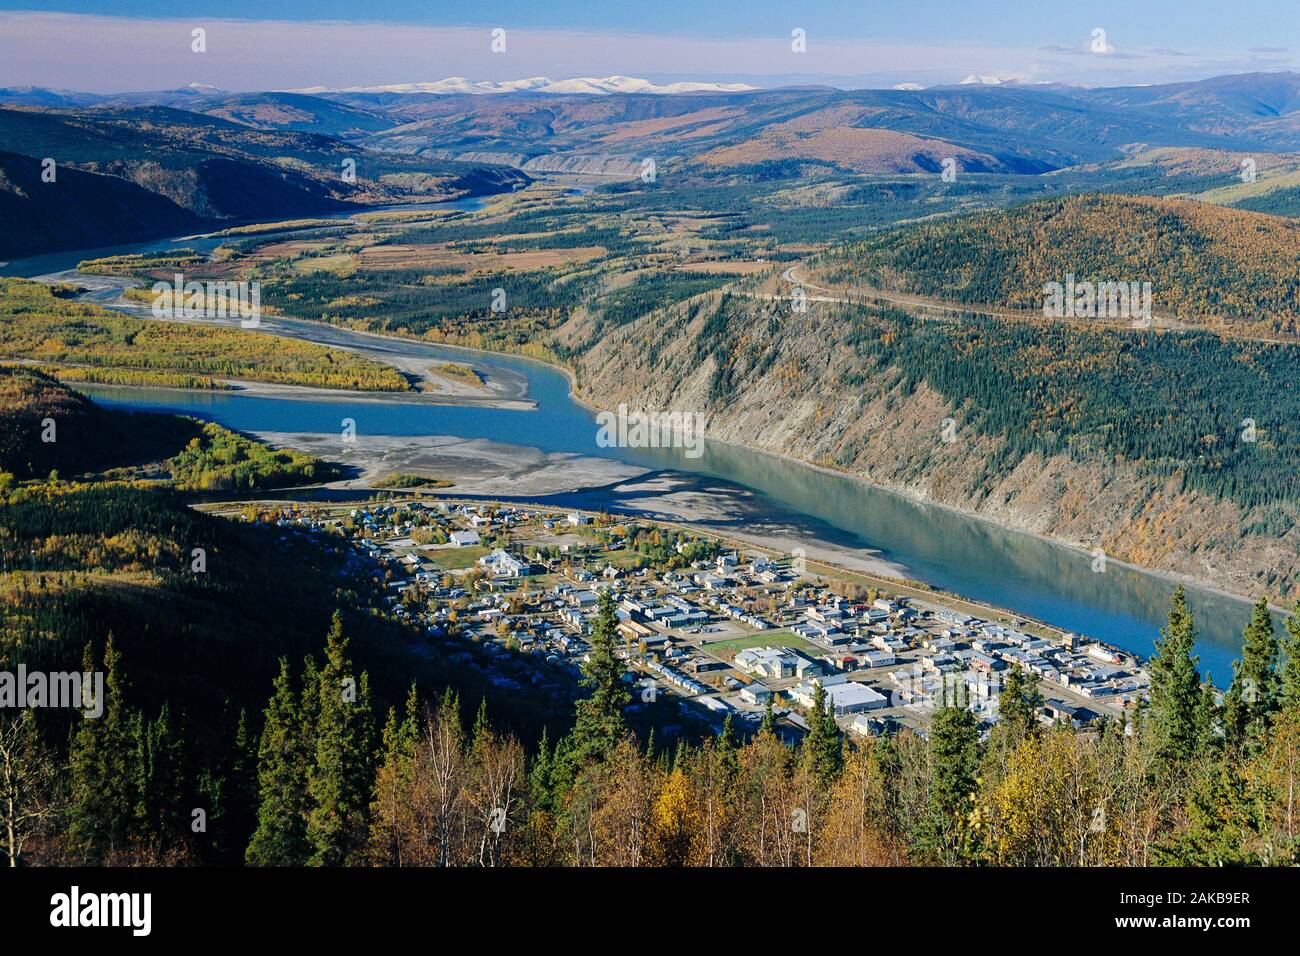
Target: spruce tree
(102, 798)
(339, 779)
(1176, 704)
(540, 783)
(1289, 681)
(1254, 694)
(1019, 703)
(768, 724)
(823, 748)
(280, 838)
(159, 775)
(954, 756)
(598, 723)
(393, 779)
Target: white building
(502, 564)
(849, 697)
(773, 662)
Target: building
(771, 662)
(755, 694)
(849, 697)
(464, 539)
(502, 564)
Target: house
(464, 539)
(1077, 717)
(755, 694)
(574, 618)
(577, 520)
(877, 659)
(502, 564)
(865, 726)
(772, 662)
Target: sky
(265, 44)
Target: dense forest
(1202, 261)
(1175, 404)
(1220, 414)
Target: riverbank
(474, 466)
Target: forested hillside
(1203, 261)
(84, 209)
(158, 170)
(1175, 451)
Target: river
(959, 553)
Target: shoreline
(588, 402)
(917, 499)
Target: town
(513, 591)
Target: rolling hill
(81, 209)
(158, 169)
(1004, 128)
(1204, 262)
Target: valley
(979, 389)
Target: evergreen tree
(339, 779)
(159, 773)
(102, 800)
(954, 757)
(228, 794)
(768, 724)
(1176, 704)
(239, 816)
(1223, 822)
(1209, 720)
(823, 748)
(1019, 703)
(1289, 682)
(1254, 694)
(729, 749)
(280, 838)
(598, 723)
(393, 780)
(540, 783)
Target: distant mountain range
(542, 84)
(218, 155)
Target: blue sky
(296, 43)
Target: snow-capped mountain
(543, 84)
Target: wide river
(958, 553)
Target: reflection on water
(955, 552)
(962, 554)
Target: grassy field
(734, 646)
(456, 559)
